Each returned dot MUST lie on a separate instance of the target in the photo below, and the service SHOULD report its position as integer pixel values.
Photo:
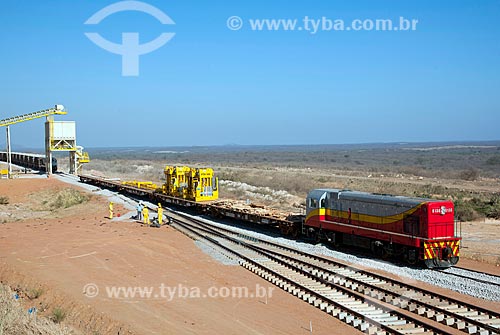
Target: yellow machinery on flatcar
(193, 184)
(176, 181)
(141, 184)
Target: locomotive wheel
(284, 230)
(379, 250)
(411, 256)
(295, 232)
(411, 261)
(314, 236)
(431, 263)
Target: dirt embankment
(69, 260)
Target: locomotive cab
(441, 245)
(315, 213)
(316, 202)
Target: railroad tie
(373, 312)
(410, 329)
(402, 303)
(367, 328)
(481, 317)
(420, 310)
(349, 318)
(429, 313)
(451, 322)
(323, 306)
(457, 324)
(469, 314)
(471, 329)
(317, 302)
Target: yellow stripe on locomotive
(434, 250)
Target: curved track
(392, 301)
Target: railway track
(465, 273)
(350, 307)
(381, 292)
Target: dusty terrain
(50, 250)
(64, 250)
(285, 188)
(481, 240)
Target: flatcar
(411, 229)
(31, 161)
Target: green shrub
(495, 160)
(64, 199)
(490, 208)
(469, 175)
(58, 315)
(4, 200)
(35, 293)
(465, 212)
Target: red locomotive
(413, 229)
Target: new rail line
(310, 276)
(489, 278)
(348, 306)
(449, 312)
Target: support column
(72, 163)
(48, 152)
(9, 153)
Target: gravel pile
(409, 275)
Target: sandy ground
(481, 241)
(69, 253)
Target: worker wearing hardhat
(110, 210)
(160, 214)
(145, 215)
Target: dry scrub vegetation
(46, 203)
(469, 174)
(15, 320)
(53, 200)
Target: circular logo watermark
(91, 290)
(234, 23)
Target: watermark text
(180, 291)
(322, 24)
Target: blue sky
(212, 86)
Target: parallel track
(349, 306)
(310, 273)
(494, 279)
(447, 311)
